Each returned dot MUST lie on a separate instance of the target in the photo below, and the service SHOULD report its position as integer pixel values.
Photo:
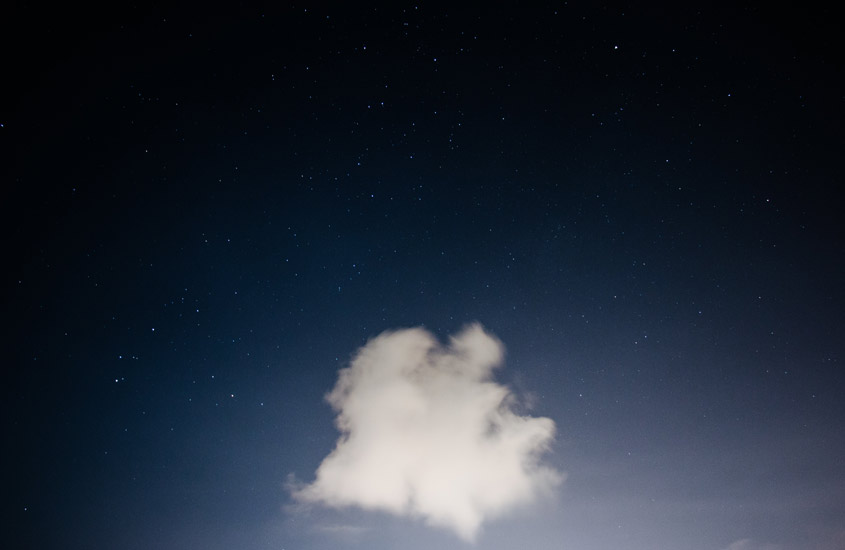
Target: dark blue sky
(208, 213)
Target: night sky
(206, 214)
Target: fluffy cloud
(426, 432)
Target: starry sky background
(207, 212)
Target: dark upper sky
(207, 213)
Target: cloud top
(749, 544)
(426, 432)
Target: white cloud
(426, 432)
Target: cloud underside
(427, 433)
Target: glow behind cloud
(426, 432)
